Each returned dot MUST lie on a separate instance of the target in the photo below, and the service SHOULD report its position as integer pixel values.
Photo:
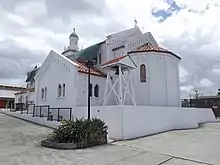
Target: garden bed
(77, 134)
(70, 146)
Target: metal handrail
(50, 117)
(41, 106)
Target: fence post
(40, 110)
(27, 110)
(58, 113)
(21, 109)
(33, 110)
(48, 111)
(70, 114)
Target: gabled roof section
(84, 69)
(123, 60)
(56, 56)
(31, 75)
(68, 50)
(90, 52)
(114, 60)
(148, 47)
(151, 37)
(124, 31)
(64, 57)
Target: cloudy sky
(191, 28)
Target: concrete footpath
(30, 118)
(20, 145)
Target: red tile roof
(148, 47)
(93, 71)
(114, 60)
(25, 91)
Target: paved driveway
(19, 145)
(202, 144)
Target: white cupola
(74, 40)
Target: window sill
(62, 97)
(94, 98)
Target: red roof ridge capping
(114, 60)
(84, 69)
(25, 91)
(148, 47)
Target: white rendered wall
(82, 87)
(127, 122)
(162, 85)
(29, 96)
(112, 115)
(151, 120)
(119, 39)
(55, 74)
(104, 52)
(173, 86)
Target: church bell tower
(73, 48)
(73, 44)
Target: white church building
(134, 85)
(61, 81)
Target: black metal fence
(58, 114)
(27, 109)
(52, 114)
(41, 111)
(20, 107)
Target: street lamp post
(89, 64)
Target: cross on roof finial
(135, 22)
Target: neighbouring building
(7, 95)
(153, 74)
(204, 102)
(27, 95)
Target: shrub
(80, 131)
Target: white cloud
(206, 82)
(160, 5)
(30, 10)
(17, 19)
(195, 35)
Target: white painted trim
(125, 84)
(61, 58)
(120, 85)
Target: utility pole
(197, 97)
(89, 64)
(190, 100)
(196, 91)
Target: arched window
(64, 89)
(143, 76)
(59, 90)
(90, 90)
(45, 92)
(42, 93)
(96, 90)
